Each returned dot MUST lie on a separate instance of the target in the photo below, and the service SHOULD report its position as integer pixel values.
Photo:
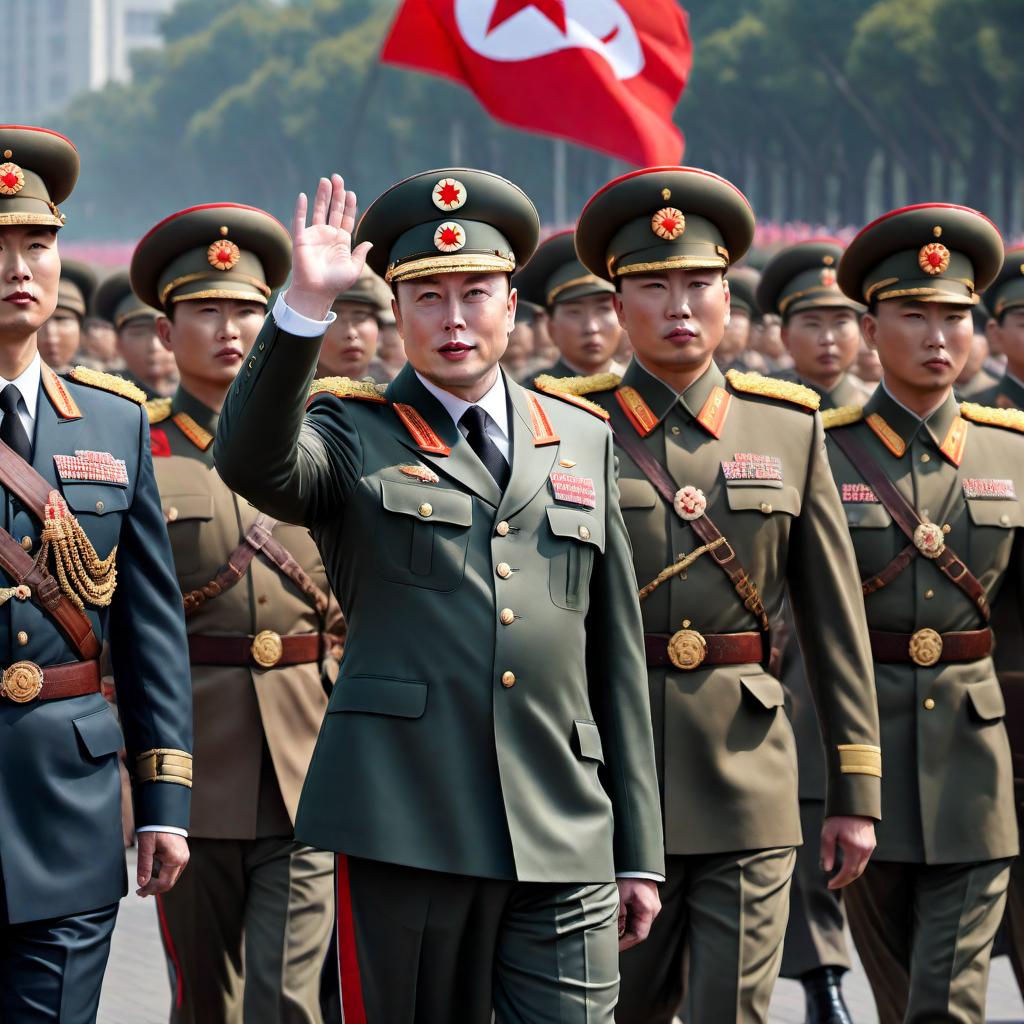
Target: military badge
(159, 443)
(574, 490)
(689, 502)
(449, 237)
(933, 258)
(421, 473)
(828, 277)
(858, 494)
(449, 194)
(223, 255)
(930, 539)
(988, 489)
(91, 467)
(668, 223)
(12, 179)
(752, 466)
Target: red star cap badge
(668, 223)
(449, 237)
(449, 194)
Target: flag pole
(558, 155)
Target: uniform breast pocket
(874, 542)
(422, 535)
(766, 498)
(186, 514)
(98, 508)
(990, 545)
(577, 535)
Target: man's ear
(728, 300)
(869, 329)
(164, 330)
(513, 305)
(994, 334)
(617, 304)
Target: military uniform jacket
(726, 753)
(1006, 393)
(61, 844)
(255, 728)
(491, 715)
(947, 789)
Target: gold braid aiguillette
(681, 566)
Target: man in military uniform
(247, 929)
(821, 331)
(145, 358)
(471, 530)
(350, 344)
(581, 314)
(930, 490)
(1006, 331)
(728, 501)
(85, 559)
(974, 379)
(735, 351)
(61, 336)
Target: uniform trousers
(246, 930)
(1013, 920)
(924, 933)
(814, 933)
(718, 938)
(426, 947)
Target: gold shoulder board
(1009, 419)
(345, 387)
(158, 409)
(769, 387)
(572, 389)
(108, 382)
(842, 416)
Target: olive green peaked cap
(116, 303)
(555, 274)
(38, 170)
(1008, 290)
(662, 218)
(803, 276)
(932, 252)
(215, 251)
(76, 286)
(742, 288)
(449, 220)
(369, 289)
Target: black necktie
(12, 430)
(474, 419)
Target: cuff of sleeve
(173, 829)
(157, 802)
(649, 875)
(295, 323)
(855, 795)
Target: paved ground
(136, 989)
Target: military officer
(735, 352)
(821, 331)
(61, 336)
(930, 490)
(144, 357)
(350, 344)
(247, 930)
(85, 558)
(975, 380)
(490, 727)
(581, 316)
(1006, 331)
(728, 499)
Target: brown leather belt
(683, 650)
(928, 647)
(265, 650)
(25, 681)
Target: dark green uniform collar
(187, 403)
(660, 398)
(844, 393)
(905, 424)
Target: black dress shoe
(825, 1003)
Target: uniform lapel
(49, 438)
(531, 463)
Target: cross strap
(905, 516)
(718, 547)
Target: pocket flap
(99, 732)
(766, 499)
(867, 515)
(588, 741)
(987, 700)
(379, 695)
(1007, 514)
(577, 524)
(764, 688)
(637, 494)
(179, 507)
(446, 505)
(99, 499)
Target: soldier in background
(390, 347)
(975, 380)
(350, 344)
(99, 345)
(61, 336)
(735, 352)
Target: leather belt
(927, 647)
(265, 650)
(25, 681)
(683, 650)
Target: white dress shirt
(27, 382)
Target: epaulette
(769, 387)
(108, 382)
(842, 417)
(572, 389)
(158, 409)
(345, 387)
(1009, 419)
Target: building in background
(56, 49)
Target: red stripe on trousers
(348, 956)
(179, 994)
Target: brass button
(501, 529)
(262, 599)
(426, 509)
(26, 543)
(507, 616)
(508, 679)
(584, 533)
(172, 514)
(929, 704)
(675, 430)
(925, 457)
(504, 570)
(1004, 519)
(766, 507)
(22, 637)
(929, 594)
(99, 506)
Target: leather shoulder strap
(24, 482)
(906, 518)
(283, 560)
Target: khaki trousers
(718, 937)
(425, 947)
(924, 933)
(246, 930)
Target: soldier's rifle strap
(718, 547)
(33, 491)
(905, 516)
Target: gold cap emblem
(12, 179)
(449, 237)
(933, 258)
(223, 255)
(668, 223)
(449, 194)
(828, 277)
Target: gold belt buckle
(925, 647)
(687, 648)
(267, 648)
(22, 682)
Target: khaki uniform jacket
(255, 728)
(491, 715)
(726, 752)
(1006, 393)
(947, 789)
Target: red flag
(605, 73)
